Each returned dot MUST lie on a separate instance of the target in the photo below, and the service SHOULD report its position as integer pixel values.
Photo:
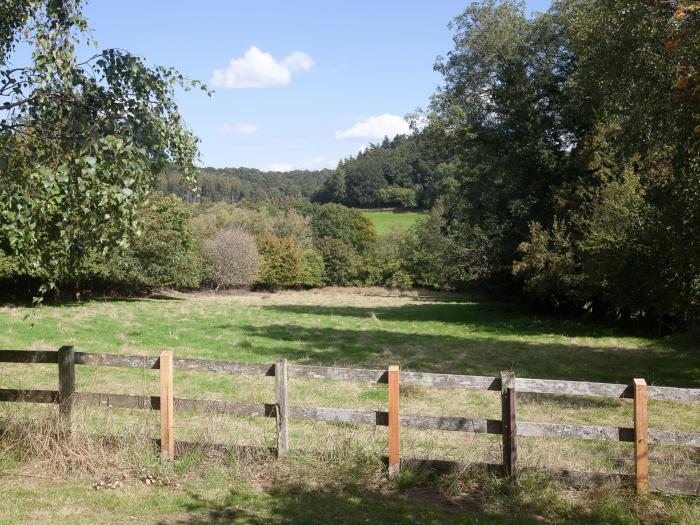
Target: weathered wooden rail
(507, 384)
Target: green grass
(387, 221)
(361, 328)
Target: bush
(343, 224)
(339, 260)
(396, 196)
(314, 269)
(282, 263)
(164, 255)
(294, 225)
(385, 264)
(233, 258)
(209, 219)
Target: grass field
(363, 328)
(387, 221)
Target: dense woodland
(559, 159)
(234, 185)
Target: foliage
(313, 269)
(333, 189)
(405, 172)
(233, 185)
(282, 262)
(427, 252)
(344, 224)
(554, 173)
(79, 140)
(233, 258)
(208, 219)
(398, 197)
(163, 255)
(339, 261)
(386, 263)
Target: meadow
(386, 221)
(370, 328)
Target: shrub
(233, 258)
(313, 269)
(339, 260)
(385, 264)
(209, 219)
(164, 255)
(294, 225)
(396, 196)
(343, 224)
(282, 263)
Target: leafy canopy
(80, 140)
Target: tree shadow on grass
(500, 318)
(353, 503)
(478, 356)
(348, 504)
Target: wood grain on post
(509, 425)
(66, 388)
(167, 430)
(282, 408)
(641, 437)
(394, 428)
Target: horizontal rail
(28, 396)
(425, 379)
(598, 433)
(29, 356)
(359, 417)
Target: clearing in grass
(386, 221)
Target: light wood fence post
(282, 410)
(509, 426)
(167, 430)
(641, 437)
(66, 388)
(394, 423)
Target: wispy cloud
(238, 129)
(258, 69)
(374, 128)
(318, 163)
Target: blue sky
(300, 84)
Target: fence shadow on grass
(352, 503)
(376, 348)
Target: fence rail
(67, 397)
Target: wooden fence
(509, 427)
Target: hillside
(237, 184)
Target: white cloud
(280, 166)
(238, 129)
(318, 163)
(257, 69)
(374, 128)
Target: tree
(333, 189)
(344, 224)
(80, 140)
(233, 258)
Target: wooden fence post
(509, 425)
(66, 388)
(167, 431)
(394, 423)
(641, 437)
(282, 410)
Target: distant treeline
(242, 184)
(404, 172)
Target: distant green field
(386, 221)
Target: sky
(299, 84)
